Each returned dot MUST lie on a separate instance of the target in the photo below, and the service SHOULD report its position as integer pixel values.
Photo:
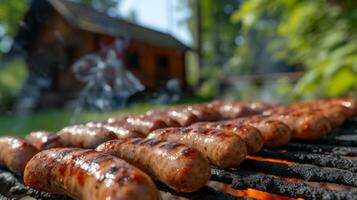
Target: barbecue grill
(300, 169)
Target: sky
(162, 15)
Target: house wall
(148, 71)
(59, 44)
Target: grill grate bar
(335, 140)
(206, 193)
(303, 171)
(320, 149)
(245, 179)
(315, 159)
(12, 186)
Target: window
(162, 68)
(132, 59)
(162, 62)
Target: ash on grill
(331, 160)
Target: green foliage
(12, 76)
(319, 34)
(11, 12)
(54, 120)
(218, 38)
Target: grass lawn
(54, 120)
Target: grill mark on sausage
(182, 130)
(123, 176)
(147, 141)
(107, 174)
(169, 145)
(135, 141)
(187, 152)
(101, 159)
(82, 154)
(201, 131)
(154, 142)
(52, 139)
(65, 152)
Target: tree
(219, 37)
(321, 35)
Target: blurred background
(69, 61)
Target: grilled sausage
(203, 112)
(231, 110)
(121, 130)
(334, 114)
(257, 107)
(182, 168)
(143, 124)
(275, 133)
(304, 125)
(250, 135)
(85, 137)
(182, 117)
(87, 175)
(222, 148)
(14, 153)
(163, 115)
(43, 140)
(349, 103)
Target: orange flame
(269, 160)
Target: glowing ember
(269, 160)
(251, 193)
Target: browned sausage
(304, 125)
(203, 112)
(182, 117)
(182, 168)
(143, 124)
(87, 175)
(164, 116)
(121, 130)
(335, 114)
(85, 137)
(222, 148)
(274, 132)
(231, 110)
(257, 107)
(43, 140)
(250, 135)
(14, 153)
(349, 103)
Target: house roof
(87, 18)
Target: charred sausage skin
(336, 115)
(85, 137)
(15, 153)
(182, 168)
(222, 148)
(120, 130)
(275, 133)
(43, 140)
(304, 125)
(87, 175)
(250, 135)
(142, 124)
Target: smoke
(107, 82)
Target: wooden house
(56, 33)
